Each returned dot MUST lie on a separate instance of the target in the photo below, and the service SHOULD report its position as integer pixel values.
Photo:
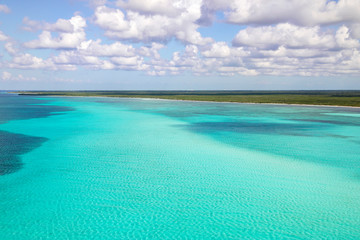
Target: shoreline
(281, 104)
(185, 100)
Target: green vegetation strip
(334, 98)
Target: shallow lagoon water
(106, 168)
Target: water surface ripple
(155, 169)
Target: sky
(179, 44)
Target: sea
(126, 168)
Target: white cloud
(4, 8)
(95, 3)
(218, 49)
(188, 58)
(355, 30)
(130, 63)
(28, 61)
(3, 37)
(303, 12)
(61, 25)
(156, 73)
(81, 58)
(162, 7)
(95, 48)
(344, 40)
(238, 70)
(11, 48)
(282, 51)
(127, 60)
(73, 58)
(353, 62)
(285, 37)
(6, 75)
(110, 19)
(284, 34)
(64, 39)
(152, 51)
(140, 25)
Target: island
(350, 98)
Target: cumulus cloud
(126, 60)
(7, 76)
(161, 7)
(284, 34)
(11, 48)
(4, 8)
(344, 39)
(3, 37)
(285, 37)
(355, 30)
(68, 37)
(130, 63)
(110, 19)
(230, 71)
(28, 61)
(71, 57)
(145, 23)
(61, 25)
(218, 49)
(304, 12)
(95, 48)
(151, 51)
(95, 3)
(107, 60)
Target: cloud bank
(285, 37)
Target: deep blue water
(15, 107)
(12, 146)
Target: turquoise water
(103, 168)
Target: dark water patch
(255, 128)
(326, 121)
(14, 107)
(298, 132)
(338, 136)
(318, 149)
(304, 141)
(12, 146)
